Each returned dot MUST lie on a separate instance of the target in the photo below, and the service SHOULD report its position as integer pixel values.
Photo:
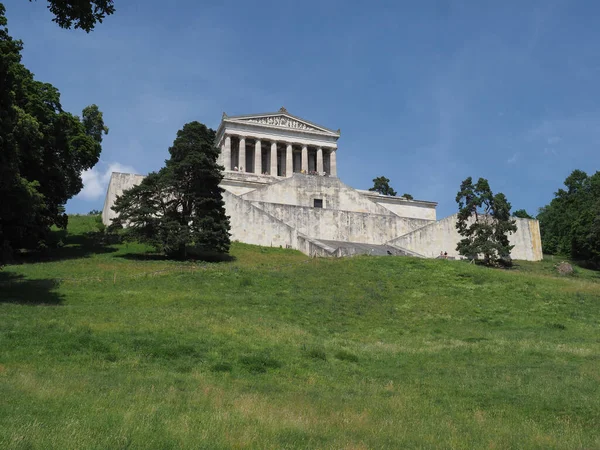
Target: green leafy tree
(382, 185)
(569, 223)
(43, 151)
(484, 223)
(181, 206)
(522, 214)
(408, 196)
(82, 14)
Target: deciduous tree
(82, 14)
(569, 223)
(180, 206)
(43, 150)
(522, 214)
(484, 222)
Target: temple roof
(279, 119)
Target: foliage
(382, 185)
(43, 151)
(408, 196)
(80, 13)
(570, 224)
(133, 351)
(522, 214)
(484, 223)
(180, 206)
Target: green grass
(106, 346)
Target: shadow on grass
(201, 257)
(74, 247)
(589, 265)
(17, 289)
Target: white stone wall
(282, 214)
(338, 225)
(240, 183)
(415, 210)
(236, 189)
(402, 207)
(118, 183)
(301, 190)
(252, 225)
(443, 236)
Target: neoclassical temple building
(276, 144)
(281, 188)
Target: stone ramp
(343, 248)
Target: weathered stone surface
(118, 183)
(339, 225)
(442, 236)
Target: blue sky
(425, 93)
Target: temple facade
(281, 188)
(276, 144)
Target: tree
(484, 223)
(522, 214)
(408, 196)
(181, 206)
(43, 151)
(80, 13)
(382, 185)
(569, 224)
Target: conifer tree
(484, 222)
(382, 185)
(181, 206)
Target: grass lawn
(105, 346)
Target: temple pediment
(281, 119)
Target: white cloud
(95, 181)
(513, 159)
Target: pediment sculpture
(282, 121)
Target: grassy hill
(106, 346)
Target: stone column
(227, 153)
(258, 157)
(274, 158)
(333, 163)
(289, 161)
(242, 154)
(305, 158)
(320, 160)
(221, 153)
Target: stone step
(343, 248)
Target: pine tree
(484, 222)
(181, 206)
(382, 185)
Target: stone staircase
(342, 248)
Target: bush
(101, 227)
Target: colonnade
(271, 158)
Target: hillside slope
(106, 346)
